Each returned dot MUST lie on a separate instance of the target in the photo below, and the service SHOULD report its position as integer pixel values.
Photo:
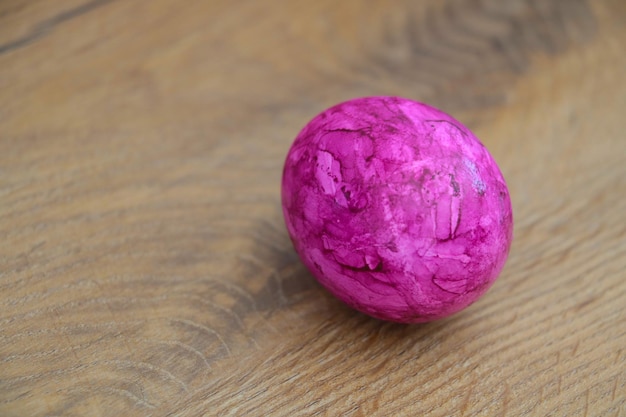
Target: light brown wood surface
(145, 269)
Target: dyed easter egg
(396, 208)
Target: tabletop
(145, 267)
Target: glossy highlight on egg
(396, 208)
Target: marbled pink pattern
(396, 208)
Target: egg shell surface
(396, 208)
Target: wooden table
(145, 265)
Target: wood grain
(145, 267)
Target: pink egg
(396, 208)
